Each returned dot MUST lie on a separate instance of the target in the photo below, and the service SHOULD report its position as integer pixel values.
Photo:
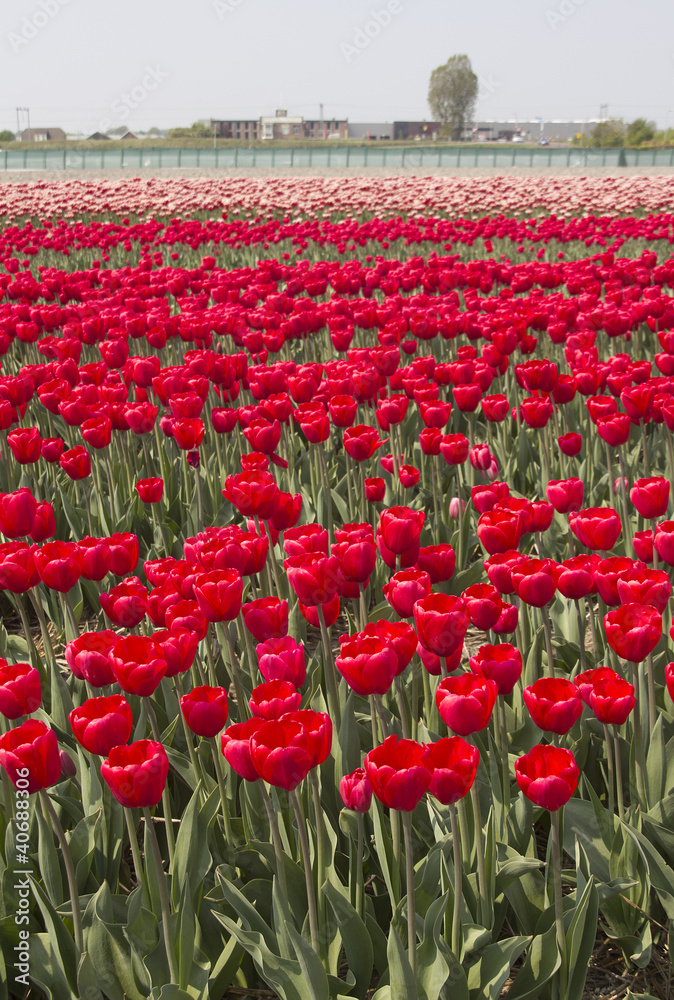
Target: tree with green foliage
(608, 134)
(6, 135)
(452, 95)
(199, 130)
(639, 132)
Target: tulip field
(335, 576)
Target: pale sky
(83, 64)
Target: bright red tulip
(136, 774)
(100, 724)
(548, 776)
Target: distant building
(43, 135)
(416, 130)
(370, 130)
(554, 130)
(280, 126)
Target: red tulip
(205, 710)
(465, 702)
(17, 567)
(17, 513)
(453, 766)
(76, 462)
(441, 623)
(281, 754)
(314, 577)
(554, 704)
(405, 588)
(501, 663)
(136, 774)
(575, 577)
(274, 699)
(126, 604)
(645, 586)
(400, 528)
(534, 581)
(235, 745)
(548, 776)
(25, 443)
(596, 527)
(150, 490)
(483, 605)
(138, 663)
(59, 565)
(20, 689)
(633, 631)
(375, 488)
(218, 594)
(305, 538)
(606, 575)
(397, 773)
(499, 531)
(651, 496)
(30, 754)
(266, 618)
(254, 494)
(565, 495)
(438, 561)
(102, 723)
(355, 791)
(368, 663)
(612, 699)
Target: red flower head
(454, 448)
(25, 443)
(361, 442)
(274, 699)
(405, 588)
(218, 594)
(438, 561)
(126, 604)
(76, 462)
(17, 513)
(645, 586)
(570, 444)
(483, 605)
(441, 623)
(651, 496)
(606, 575)
(596, 527)
(31, 753)
(565, 495)
(548, 776)
(235, 746)
(633, 631)
(304, 539)
(453, 766)
(136, 774)
(465, 702)
(356, 791)
(575, 577)
(400, 528)
(266, 618)
(102, 723)
(375, 489)
(138, 664)
(150, 490)
(20, 689)
(397, 773)
(368, 663)
(254, 494)
(314, 577)
(205, 710)
(534, 581)
(17, 567)
(282, 659)
(282, 753)
(612, 699)
(59, 565)
(499, 530)
(555, 704)
(501, 663)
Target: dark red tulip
(150, 490)
(20, 689)
(266, 618)
(453, 766)
(235, 746)
(355, 791)
(30, 753)
(596, 527)
(274, 699)
(441, 623)
(633, 631)
(136, 774)
(548, 776)
(281, 659)
(375, 489)
(218, 594)
(534, 581)
(138, 663)
(465, 702)
(650, 496)
(281, 753)
(501, 663)
(205, 710)
(76, 462)
(565, 495)
(570, 444)
(367, 663)
(405, 588)
(397, 773)
(612, 700)
(554, 704)
(314, 577)
(100, 724)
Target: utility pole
(322, 122)
(20, 112)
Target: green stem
(135, 853)
(650, 677)
(320, 844)
(163, 896)
(276, 839)
(411, 909)
(224, 804)
(611, 775)
(55, 822)
(618, 774)
(360, 889)
(329, 669)
(640, 759)
(548, 640)
(458, 887)
(559, 905)
(308, 878)
(165, 796)
(486, 916)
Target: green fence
(408, 158)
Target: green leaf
(542, 962)
(439, 972)
(656, 765)
(403, 986)
(184, 942)
(60, 938)
(116, 965)
(582, 931)
(384, 847)
(50, 869)
(355, 938)
(46, 969)
(192, 859)
(487, 975)
(87, 981)
(310, 964)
